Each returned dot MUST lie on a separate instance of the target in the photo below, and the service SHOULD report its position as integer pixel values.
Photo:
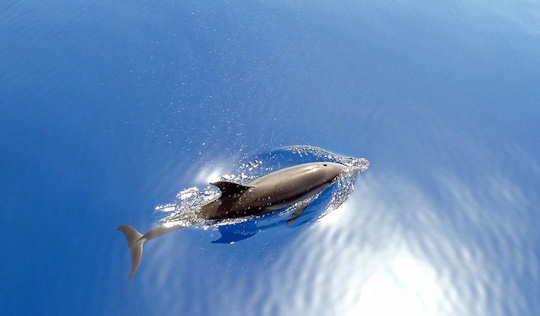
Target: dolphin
(264, 195)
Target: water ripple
(391, 248)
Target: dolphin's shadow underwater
(244, 208)
(236, 232)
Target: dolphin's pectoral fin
(299, 207)
(298, 210)
(229, 189)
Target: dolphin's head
(317, 174)
(332, 170)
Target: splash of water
(184, 211)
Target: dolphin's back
(273, 191)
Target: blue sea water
(109, 110)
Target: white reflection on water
(406, 255)
(209, 174)
(402, 285)
(395, 247)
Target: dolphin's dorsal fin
(229, 189)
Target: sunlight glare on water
(403, 286)
(404, 256)
(378, 244)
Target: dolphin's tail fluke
(135, 242)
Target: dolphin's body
(261, 196)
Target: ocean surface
(114, 113)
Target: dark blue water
(109, 110)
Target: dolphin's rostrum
(261, 196)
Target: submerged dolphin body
(261, 196)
